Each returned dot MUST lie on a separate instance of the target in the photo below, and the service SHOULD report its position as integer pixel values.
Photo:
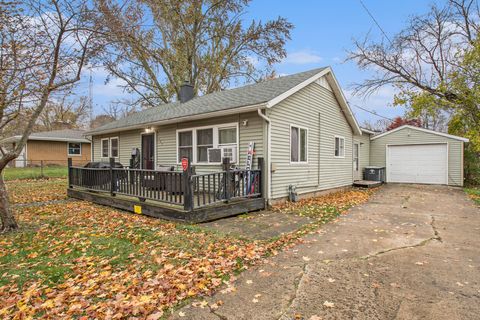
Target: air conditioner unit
(215, 155)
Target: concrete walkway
(411, 252)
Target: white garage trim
(446, 135)
(388, 179)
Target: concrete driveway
(411, 252)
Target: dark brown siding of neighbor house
(54, 153)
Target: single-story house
(300, 124)
(51, 148)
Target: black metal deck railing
(177, 188)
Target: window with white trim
(197, 143)
(114, 147)
(339, 147)
(74, 148)
(298, 144)
(204, 142)
(105, 144)
(185, 145)
(227, 140)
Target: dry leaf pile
(327, 206)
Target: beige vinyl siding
(166, 143)
(253, 131)
(410, 136)
(315, 108)
(127, 140)
(364, 151)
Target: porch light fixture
(149, 130)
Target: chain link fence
(38, 169)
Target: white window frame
(215, 140)
(108, 147)
(74, 155)
(335, 142)
(290, 145)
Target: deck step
(367, 183)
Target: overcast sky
(323, 33)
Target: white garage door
(426, 163)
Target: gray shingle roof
(56, 135)
(218, 101)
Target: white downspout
(268, 167)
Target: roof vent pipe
(186, 92)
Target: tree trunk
(6, 215)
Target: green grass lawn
(474, 193)
(34, 173)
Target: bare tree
(156, 45)
(422, 56)
(65, 113)
(100, 120)
(43, 48)
(120, 109)
(377, 126)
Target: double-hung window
(105, 146)
(109, 147)
(185, 144)
(298, 144)
(339, 147)
(227, 140)
(208, 144)
(204, 142)
(114, 147)
(74, 148)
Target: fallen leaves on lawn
(28, 191)
(328, 205)
(79, 260)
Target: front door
(356, 164)
(148, 151)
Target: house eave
(201, 116)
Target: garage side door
(425, 163)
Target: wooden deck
(180, 196)
(367, 183)
(168, 211)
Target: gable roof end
(446, 135)
(332, 81)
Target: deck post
(69, 165)
(112, 180)
(228, 182)
(187, 185)
(261, 167)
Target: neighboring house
(51, 148)
(301, 125)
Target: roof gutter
(269, 135)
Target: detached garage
(417, 155)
